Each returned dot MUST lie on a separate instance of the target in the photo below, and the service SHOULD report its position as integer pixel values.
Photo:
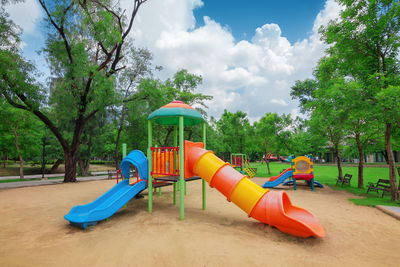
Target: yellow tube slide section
(273, 208)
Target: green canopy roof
(170, 113)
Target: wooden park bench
(382, 185)
(113, 173)
(344, 180)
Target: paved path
(48, 182)
(391, 210)
(33, 176)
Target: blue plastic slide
(115, 198)
(104, 206)
(279, 180)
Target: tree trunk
(116, 148)
(169, 131)
(84, 165)
(55, 166)
(267, 161)
(392, 168)
(5, 158)
(360, 162)
(398, 171)
(21, 162)
(70, 168)
(338, 159)
(385, 155)
(21, 166)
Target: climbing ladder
(251, 172)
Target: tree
(273, 133)
(24, 130)
(85, 44)
(361, 123)
(304, 91)
(233, 129)
(367, 43)
(307, 140)
(152, 94)
(139, 66)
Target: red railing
(119, 171)
(165, 161)
(237, 161)
(138, 179)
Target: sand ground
(34, 233)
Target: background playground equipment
(240, 161)
(289, 159)
(273, 208)
(302, 169)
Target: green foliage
(234, 127)
(304, 92)
(389, 100)
(20, 126)
(273, 133)
(84, 46)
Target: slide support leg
(174, 193)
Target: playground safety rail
(165, 161)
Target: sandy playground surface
(33, 231)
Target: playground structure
(190, 161)
(302, 169)
(240, 161)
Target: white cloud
(254, 76)
(26, 15)
(279, 102)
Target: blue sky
(249, 53)
(294, 17)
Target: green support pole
(181, 169)
(123, 150)
(312, 185)
(174, 193)
(294, 183)
(185, 188)
(203, 182)
(149, 157)
(159, 191)
(123, 156)
(175, 159)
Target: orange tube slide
(273, 208)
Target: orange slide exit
(273, 208)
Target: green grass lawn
(13, 169)
(327, 175)
(24, 180)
